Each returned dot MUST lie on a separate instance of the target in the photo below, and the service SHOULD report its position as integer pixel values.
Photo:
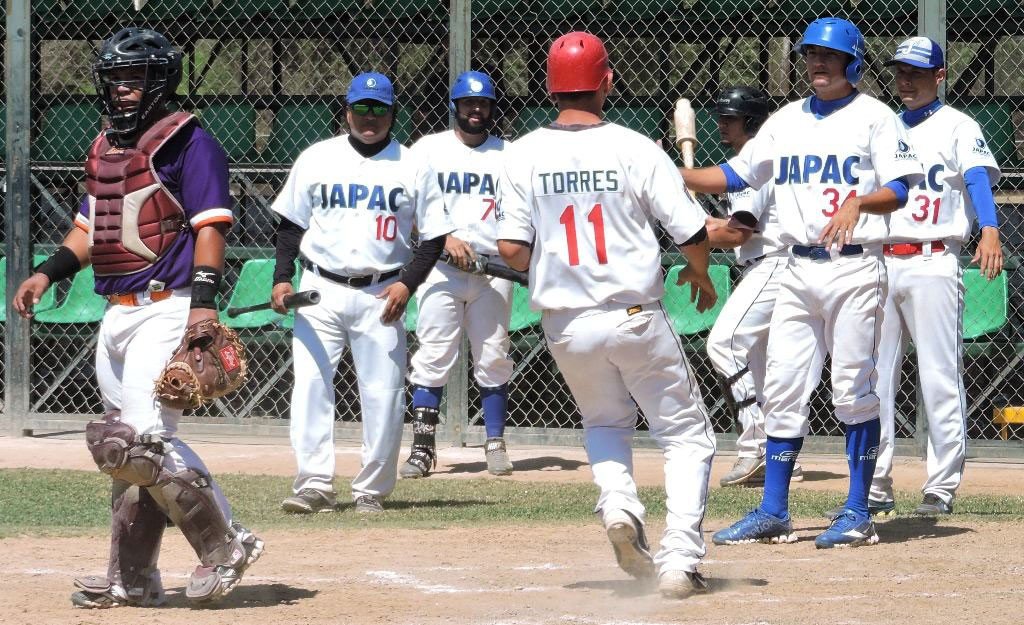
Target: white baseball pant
(450, 300)
(134, 344)
(832, 303)
(739, 341)
(610, 357)
(347, 317)
(925, 304)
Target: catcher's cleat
(421, 461)
(369, 504)
(744, 471)
(756, 527)
(310, 500)
(681, 584)
(878, 509)
(208, 584)
(97, 593)
(630, 544)
(932, 505)
(848, 530)
(498, 462)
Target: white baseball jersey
(761, 204)
(359, 212)
(948, 144)
(590, 215)
(853, 151)
(467, 177)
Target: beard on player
(476, 121)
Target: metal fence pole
(459, 54)
(931, 23)
(16, 206)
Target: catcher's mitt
(209, 363)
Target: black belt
(356, 281)
(820, 252)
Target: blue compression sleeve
(900, 188)
(733, 182)
(978, 187)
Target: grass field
(51, 502)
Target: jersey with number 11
(587, 198)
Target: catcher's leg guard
(191, 504)
(120, 452)
(132, 575)
(424, 446)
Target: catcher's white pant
(609, 358)
(836, 304)
(347, 317)
(925, 303)
(450, 300)
(739, 340)
(134, 344)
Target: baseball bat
(686, 143)
(293, 300)
(484, 266)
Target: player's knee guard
(120, 452)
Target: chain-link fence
(267, 78)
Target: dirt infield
(954, 571)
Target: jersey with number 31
(359, 212)
(819, 162)
(467, 177)
(587, 198)
(939, 207)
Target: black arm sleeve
(415, 272)
(287, 239)
(701, 235)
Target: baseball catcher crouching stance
(153, 227)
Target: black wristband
(286, 250)
(61, 264)
(205, 285)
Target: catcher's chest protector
(133, 218)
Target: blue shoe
(757, 526)
(848, 530)
(882, 509)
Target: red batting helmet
(577, 62)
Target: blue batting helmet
(837, 34)
(473, 84)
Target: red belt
(911, 249)
(131, 299)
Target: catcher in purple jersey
(153, 227)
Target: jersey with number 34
(587, 198)
(819, 162)
(939, 207)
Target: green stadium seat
(81, 304)
(255, 282)
(522, 316)
(46, 302)
(412, 314)
(643, 120)
(67, 132)
(985, 303)
(401, 128)
(710, 150)
(996, 122)
(532, 118)
(295, 128)
(234, 126)
(683, 312)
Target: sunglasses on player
(379, 110)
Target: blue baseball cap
(919, 52)
(371, 86)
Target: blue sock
(780, 456)
(861, 453)
(494, 400)
(427, 397)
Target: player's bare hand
(281, 290)
(460, 252)
(702, 291)
(839, 230)
(989, 255)
(200, 314)
(397, 296)
(29, 294)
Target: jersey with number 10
(939, 207)
(819, 162)
(587, 197)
